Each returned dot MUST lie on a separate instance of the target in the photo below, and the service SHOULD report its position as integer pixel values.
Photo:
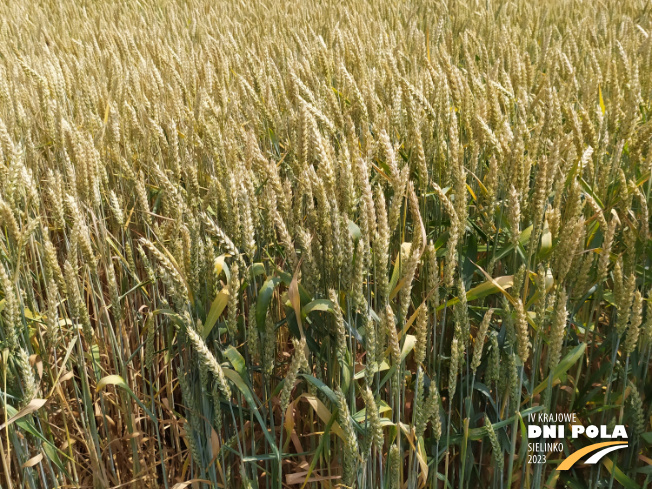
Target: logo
(552, 427)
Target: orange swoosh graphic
(568, 463)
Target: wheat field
(322, 244)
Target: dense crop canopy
(318, 244)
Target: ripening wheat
(322, 244)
